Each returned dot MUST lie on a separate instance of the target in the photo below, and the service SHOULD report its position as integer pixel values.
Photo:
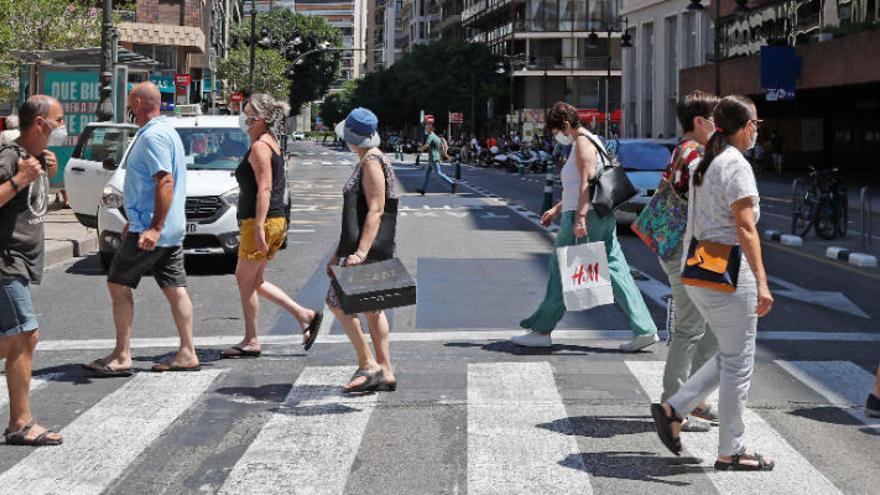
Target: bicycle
(821, 204)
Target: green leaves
(269, 71)
(290, 35)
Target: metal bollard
(866, 201)
(794, 202)
(548, 189)
(522, 169)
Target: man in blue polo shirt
(155, 200)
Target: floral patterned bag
(662, 223)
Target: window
(690, 40)
(171, 12)
(708, 38)
(214, 149)
(642, 156)
(647, 41)
(103, 143)
(671, 75)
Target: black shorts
(130, 263)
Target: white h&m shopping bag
(586, 280)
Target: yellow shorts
(276, 231)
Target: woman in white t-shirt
(724, 208)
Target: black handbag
(373, 286)
(611, 187)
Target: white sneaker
(533, 339)
(639, 343)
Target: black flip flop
(100, 369)
(167, 367)
(372, 382)
(313, 328)
(663, 424)
(735, 465)
(242, 353)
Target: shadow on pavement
(600, 426)
(508, 347)
(826, 414)
(199, 266)
(273, 392)
(634, 465)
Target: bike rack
(866, 201)
(794, 201)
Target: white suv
(214, 147)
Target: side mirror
(109, 164)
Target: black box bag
(611, 187)
(374, 286)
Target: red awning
(589, 114)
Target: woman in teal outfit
(580, 224)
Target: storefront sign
(164, 83)
(78, 92)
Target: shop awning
(84, 57)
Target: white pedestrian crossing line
(309, 445)
(843, 383)
(104, 440)
(37, 382)
(507, 452)
(793, 473)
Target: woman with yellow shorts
(261, 216)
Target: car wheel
(106, 259)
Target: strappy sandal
(663, 424)
(313, 328)
(238, 351)
(736, 465)
(372, 382)
(20, 437)
(708, 413)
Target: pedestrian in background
(579, 224)
(724, 209)
(152, 241)
(25, 169)
(777, 142)
(433, 145)
(692, 343)
(10, 132)
(374, 182)
(262, 182)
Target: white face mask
(562, 138)
(754, 141)
(243, 122)
(58, 136)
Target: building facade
(550, 57)
(350, 16)
(830, 116)
(420, 19)
(666, 38)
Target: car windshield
(642, 156)
(220, 148)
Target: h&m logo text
(591, 275)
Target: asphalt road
(472, 414)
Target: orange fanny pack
(712, 265)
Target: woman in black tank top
(261, 214)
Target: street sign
(429, 119)
(780, 95)
(456, 118)
(236, 97)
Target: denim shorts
(17, 313)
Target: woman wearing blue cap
(371, 184)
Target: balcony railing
(570, 63)
(126, 15)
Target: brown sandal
(20, 437)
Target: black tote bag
(610, 188)
(354, 212)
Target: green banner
(78, 92)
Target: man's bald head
(144, 101)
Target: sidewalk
(66, 238)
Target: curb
(784, 239)
(860, 260)
(59, 250)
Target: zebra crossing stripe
(507, 452)
(793, 473)
(37, 382)
(104, 440)
(843, 383)
(310, 444)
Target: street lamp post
(625, 42)
(105, 105)
(253, 45)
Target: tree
(337, 105)
(43, 25)
(292, 35)
(269, 73)
(456, 77)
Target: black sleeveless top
(247, 185)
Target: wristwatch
(13, 184)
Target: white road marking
(843, 383)
(309, 445)
(428, 335)
(793, 473)
(300, 231)
(37, 382)
(830, 300)
(104, 440)
(507, 451)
